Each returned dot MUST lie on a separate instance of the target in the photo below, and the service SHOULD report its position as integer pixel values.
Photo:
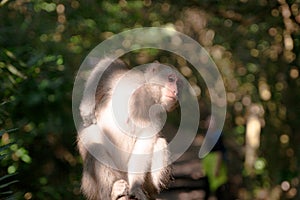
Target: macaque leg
(102, 182)
(160, 172)
(99, 181)
(138, 166)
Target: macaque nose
(175, 92)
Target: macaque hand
(120, 190)
(88, 120)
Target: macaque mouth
(172, 97)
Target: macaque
(124, 154)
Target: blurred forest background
(255, 44)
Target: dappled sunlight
(253, 129)
(254, 44)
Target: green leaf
(6, 177)
(3, 156)
(2, 131)
(7, 184)
(4, 147)
(6, 193)
(15, 71)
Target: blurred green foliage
(6, 177)
(255, 44)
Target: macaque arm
(87, 106)
(160, 172)
(98, 83)
(138, 166)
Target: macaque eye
(171, 79)
(179, 83)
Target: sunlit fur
(101, 182)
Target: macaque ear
(152, 70)
(154, 66)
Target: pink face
(171, 92)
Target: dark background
(255, 44)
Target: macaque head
(167, 82)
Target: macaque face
(171, 92)
(167, 85)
